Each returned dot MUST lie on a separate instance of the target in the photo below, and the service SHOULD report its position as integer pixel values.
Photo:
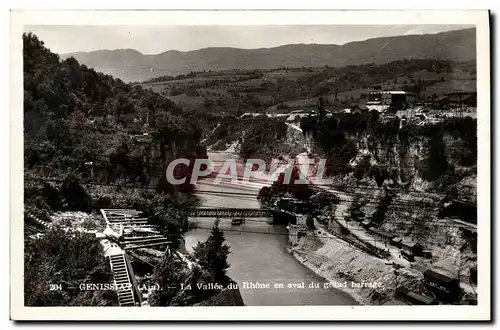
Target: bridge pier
(184, 221)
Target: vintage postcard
(250, 165)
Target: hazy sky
(157, 39)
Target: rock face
(368, 279)
(467, 189)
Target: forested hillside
(92, 141)
(88, 126)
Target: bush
(362, 168)
(102, 202)
(354, 212)
(52, 197)
(75, 196)
(68, 259)
(168, 274)
(170, 219)
(380, 175)
(379, 215)
(192, 294)
(436, 162)
(265, 194)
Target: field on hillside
(284, 90)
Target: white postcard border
(479, 18)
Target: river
(259, 250)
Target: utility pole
(461, 107)
(396, 273)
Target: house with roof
(384, 236)
(409, 246)
(391, 97)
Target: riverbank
(367, 279)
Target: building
(409, 247)
(296, 117)
(284, 217)
(251, 115)
(376, 106)
(293, 238)
(294, 206)
(412, 247)
(390, 98)
(384, 236)
(444, 285)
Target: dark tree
(437, 162)
(52, 197)
(168, 274)
(378, 216)
(163, 213)
(321, 107)
(212, 254)
(75, 196)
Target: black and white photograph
(321, 164)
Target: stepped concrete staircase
(39, 221)
(35, 230)
(122, 279)
(134, 233)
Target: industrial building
(444, 285)
(388, 98)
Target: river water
(259, 250)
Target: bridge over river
(222, 212)
(259, 248)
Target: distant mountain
(131, 65)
